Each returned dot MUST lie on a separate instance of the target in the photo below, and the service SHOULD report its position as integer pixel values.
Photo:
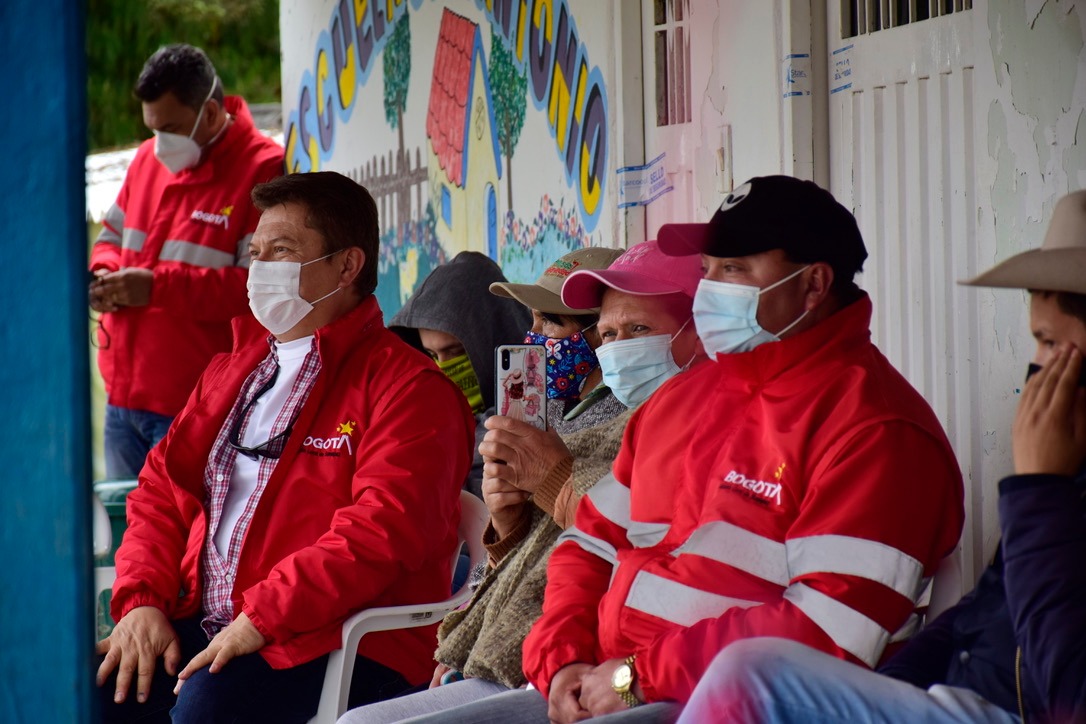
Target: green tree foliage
(240, 36)
(509, 87)
(397, 60)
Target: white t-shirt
(267, 407)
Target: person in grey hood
(455, 319)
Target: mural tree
(397, 67)
(509, 87)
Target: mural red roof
(449, 90)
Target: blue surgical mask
(726, 316)
(635, 368)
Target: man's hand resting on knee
(239, 638)
(137, 641)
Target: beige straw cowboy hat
(1059, 265)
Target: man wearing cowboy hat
(1012, 649)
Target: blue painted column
(46, 647)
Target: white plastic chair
(337, 677)
(102, 544)
(102, 540)
(946, 585)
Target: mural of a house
(464, 159)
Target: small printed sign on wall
(841, 69)
(797, 75)
(641, 185)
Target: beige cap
(546, 294)
(1058, 266)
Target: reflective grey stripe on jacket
(847, 555)
(133, 239)
(739, 548)
(612, 499)
(590, 543)
(678, 602)
(195, 254)
(114, 219)
(781, 563)
(849, 629)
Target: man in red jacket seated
(315, 471)
(797, 487)
(169, 265)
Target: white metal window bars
(859, 17)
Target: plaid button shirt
(218, 568)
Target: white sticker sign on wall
(841, 69)
(641, 185)
(796, 69)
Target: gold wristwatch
(622, 682)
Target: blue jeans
(777, 680)
(247, 689)
(129, 435)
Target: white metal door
(902, 158)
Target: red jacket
(367, 520)
(801, 490)
(193, 230)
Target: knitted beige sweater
(484, 639)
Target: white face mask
(177, 152)
(274, 296)
(635, 368)
(726, 316)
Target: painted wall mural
(426, 103)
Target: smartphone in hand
(520, 383)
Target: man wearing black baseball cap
(798, 487)
(767, 233)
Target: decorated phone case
(521, 383)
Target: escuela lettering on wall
(434, 104)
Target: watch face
(622, 678)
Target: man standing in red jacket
(315, 471)
(797, 486)
(169, 265)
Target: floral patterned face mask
(570, 361)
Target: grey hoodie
(456, 299)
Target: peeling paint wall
(1031, 102)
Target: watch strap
(627, 696)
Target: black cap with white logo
(775, 212)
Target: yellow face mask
(459, 370)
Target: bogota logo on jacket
(761, 491)
(334, 445)
(220, 219)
